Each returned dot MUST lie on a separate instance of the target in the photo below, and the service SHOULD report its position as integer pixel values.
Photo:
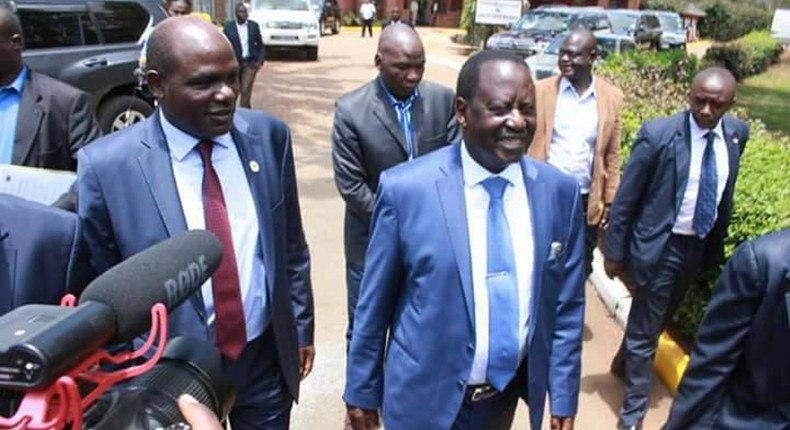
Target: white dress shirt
(188, 173)
(575, 131)
(244, 38)
(367, 11)
(684, 223)
(520, 223)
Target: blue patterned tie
(705, 210)
(404, 119)
(503, 329)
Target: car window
(670, 21)
(120, 22)
(606, 47)
(281, 4)
(554, 46)
(601, 23)
(621, 22)
(651, 21)
(542, 21)
(56, 27)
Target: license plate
(276, 37)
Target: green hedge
(724, 19)
(656, 84)
(747, 56)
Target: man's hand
(362, 419)
(561, 423)
(613, 269)
(197, 415)
(306, 358)
(604, 224)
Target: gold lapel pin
(254, 166)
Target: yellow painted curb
(671, 362)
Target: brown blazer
(606, 162)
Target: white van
(780, 28)
(288, 24)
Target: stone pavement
(303, 93)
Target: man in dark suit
(245, 36)
(739, 374)
(393, 118)
(43, 122)
(473, 294)
(199, 162)
(669, 219)
(394, 18)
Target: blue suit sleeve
(719, 343)
(298, 254)
(565, 360)
(97, 226)
(377, 300)
(628, 200)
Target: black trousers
(367, 23)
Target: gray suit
(55, 120)
(366, 140)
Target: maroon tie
(231, 330)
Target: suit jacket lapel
(417, 116)
(733, 148)
(264, 186)
(682, 145)
(387, 116)
(450, 191)
(541, 235)
(29, 118)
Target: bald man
(200, 163)
(43, 122)
(578, 131)
(394, 118)
(669, 219)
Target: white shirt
(684, 223)
(575, 131)
(367, 11)
(520, 223)
(244, 38)
(188, 173)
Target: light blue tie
(705, 209)
(502, 286)
(404, 119)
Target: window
(120, 22)
(56, 27)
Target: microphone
(168, 273)
(41, 342)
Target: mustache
(512, 135)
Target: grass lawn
(767, 96)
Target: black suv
(94, 45)
(642, 26)
(537, 28)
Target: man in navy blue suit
(245, 36)
(739, 375)
(198, 162)
(473, 294)
(669, 219)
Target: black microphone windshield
(168, 272)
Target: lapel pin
(254, 166)
(735, 140)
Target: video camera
(52, 356)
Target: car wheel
(312, 53)
(336, 27)
(120, 112)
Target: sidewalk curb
(671, 361)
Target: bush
(726, 21)
(671, 5)
(657, 84)
(747, 56)
(350, 19)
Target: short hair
(159, 53)
(9, 21)
(169, 2)
(469, 77)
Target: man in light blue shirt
(10, 96)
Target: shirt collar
(182, 143)
(393, 101)
(474, 173)
(698, 132)
(19, 83)
(566, 84)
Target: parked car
(643, 26)
(673, 35)
(287, 24)
(545, 65)
(330, 17)
(93, 45)
(780, 26)
(537, 28)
